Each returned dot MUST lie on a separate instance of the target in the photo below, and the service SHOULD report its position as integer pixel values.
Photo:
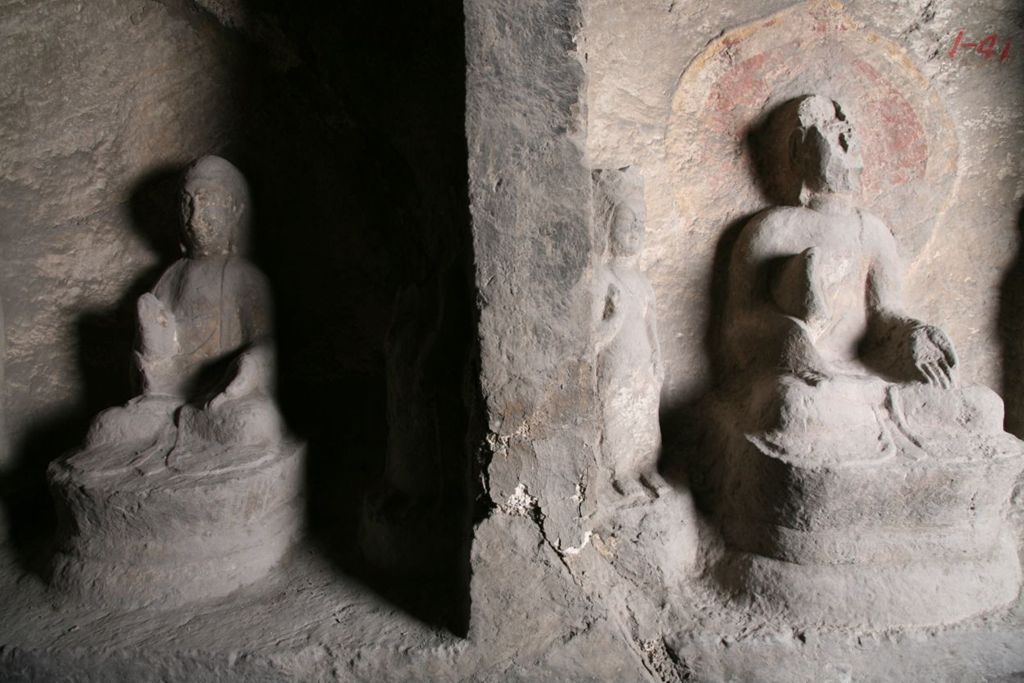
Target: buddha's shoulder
(243, 271)
(171, 279)
(780, 223)
(779, 218)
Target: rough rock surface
(302, 623)
(643, 57)
(616, 557)
(568, 581)
(73, 239)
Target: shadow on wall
(686, 461)
(105, 343)
(356, 150)
(1011, 338)
(350, 129)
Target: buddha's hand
(252, 372)
(801, 358)
(933, 355)
(797, 289)
(157, 328)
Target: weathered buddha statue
(197, 474)
(856, 475)
(205, 331)
(629, 370)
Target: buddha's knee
(141, 419)
(243, 422)
(838, 403)
(973, 408)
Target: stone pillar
(530, 198)
(530, 194)
(555, 550)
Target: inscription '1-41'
(986, 47)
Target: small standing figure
(629, 370)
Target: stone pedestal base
(173, 527)
(890, 522)
(877, 596)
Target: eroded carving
(191, 489)
(856, 474)
(645, 527)
(403, 525)
(629, 370)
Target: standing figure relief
(629, 369)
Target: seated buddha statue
(205, 353)
(192, 488)
(814, 311)
(848, 455)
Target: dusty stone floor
(724, 646)
(302, 622)
(307, 622)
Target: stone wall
(429, 210)
(347, 122)
(652, 67)
(102, 102)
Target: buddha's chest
(842, 273)
(204, 305)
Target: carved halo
(908, 140)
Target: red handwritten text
(986, 47)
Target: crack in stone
(522, 504)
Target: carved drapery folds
(856, 475)
(191, 489)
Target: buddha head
(214, 208)
(620, 197)
(824, 153)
